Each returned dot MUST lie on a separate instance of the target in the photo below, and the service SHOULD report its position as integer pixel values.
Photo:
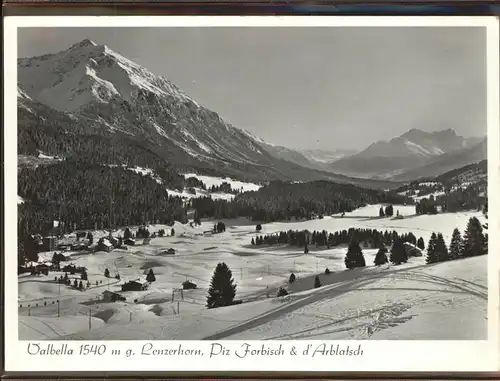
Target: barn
(135, 285)
(109, 296)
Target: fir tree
(292, 278)
(106, 273)
(381, 257)
(151, 276)
(222, 289)
(127, 234)
(473, 238)
(456, 245)
(354, 256)
(90, 237)
(421, 243)
(172, 232)
(253, 241)
(381, 212)
(431, 250)
(317, 282)
(441, 249)
(398, 252)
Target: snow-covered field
(411, 301)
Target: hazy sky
(310, 87)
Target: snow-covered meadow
(410, 301)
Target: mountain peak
(83, 44)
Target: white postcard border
(384, 356)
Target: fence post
(58, 313)
(90, 319)
(178, 308)
(130, 315)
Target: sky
(328, 88)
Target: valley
(144, 215)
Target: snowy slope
(350, 302)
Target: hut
(104, 245)
(49, 243)
(129, 241)
(110, 296)
(135, 285)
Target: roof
(109, 292)
(106, 243)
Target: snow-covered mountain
(413, 149)
(447, 162)
(325, 156)
(89, 89)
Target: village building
(49, 243)
(129, 241)
(110, 296)
(104, 245)
(135, 285)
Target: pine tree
(172, 232)
(421, 243)
(317, 282)
(431, 250)
(151, 276)
(127, 234)
(222, 289)
(456, 245)
(253, 241)
(354, 256)
(106, 273)
(381, 212)
(381, 257)
(292, 278)
(441, 249)
(90, 238)
(398, 252)
(473, 238)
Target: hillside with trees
(285, 201)
(88, 196)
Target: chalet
(112, 240)
(412, 251)
(49, 243)
(104, 245)
(135, 285)
(79, 246)
(167, 252)
(109, 296)
(129, 241)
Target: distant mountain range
(89, 91)
(414, 154)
